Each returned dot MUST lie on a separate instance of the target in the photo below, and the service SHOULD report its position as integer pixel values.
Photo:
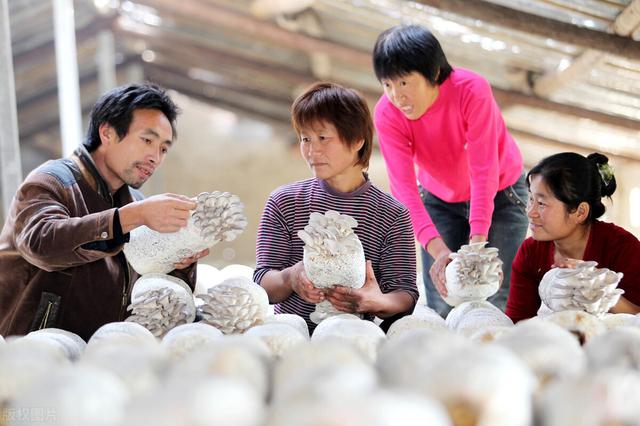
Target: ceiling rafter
(509, 97)
(261, 30)
(175, 79)
(194, 47)
(45, 52)
(502, 16)
(628, 20)
(217, 36)
(589, 59)
(559, 146)
(213, 15)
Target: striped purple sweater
(384, 228)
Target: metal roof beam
(508, 97)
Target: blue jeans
(508, 229)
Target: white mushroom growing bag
(473, 274)
(218, 217)
(333, 255)
(584, 288)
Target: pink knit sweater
(460, 148)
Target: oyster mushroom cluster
(333, 255)
(473, 274)
(161, 302)
(584, 288)
(234, 305)
(218, 217)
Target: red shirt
(610, 245)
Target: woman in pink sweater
(444, 124)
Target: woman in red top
(565, 201)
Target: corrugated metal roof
(255, 54)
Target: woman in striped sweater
(335, 131)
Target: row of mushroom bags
(219, 356)
(243, 365)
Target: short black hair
(574, 178)
(344, 108)
(116, 107)
(403, 49)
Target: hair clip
(606, 172)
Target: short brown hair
(345, 108)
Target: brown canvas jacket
(60, 265)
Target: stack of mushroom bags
(573, 364)
(242, 366)
(159, 301)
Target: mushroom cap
(584, 287)
(235, 305)
(161, 302)
(473, 274)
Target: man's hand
(357, 300)
(187, 261)
(167, 212)
(162, 213)
(300, 284)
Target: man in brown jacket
(61, 260)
